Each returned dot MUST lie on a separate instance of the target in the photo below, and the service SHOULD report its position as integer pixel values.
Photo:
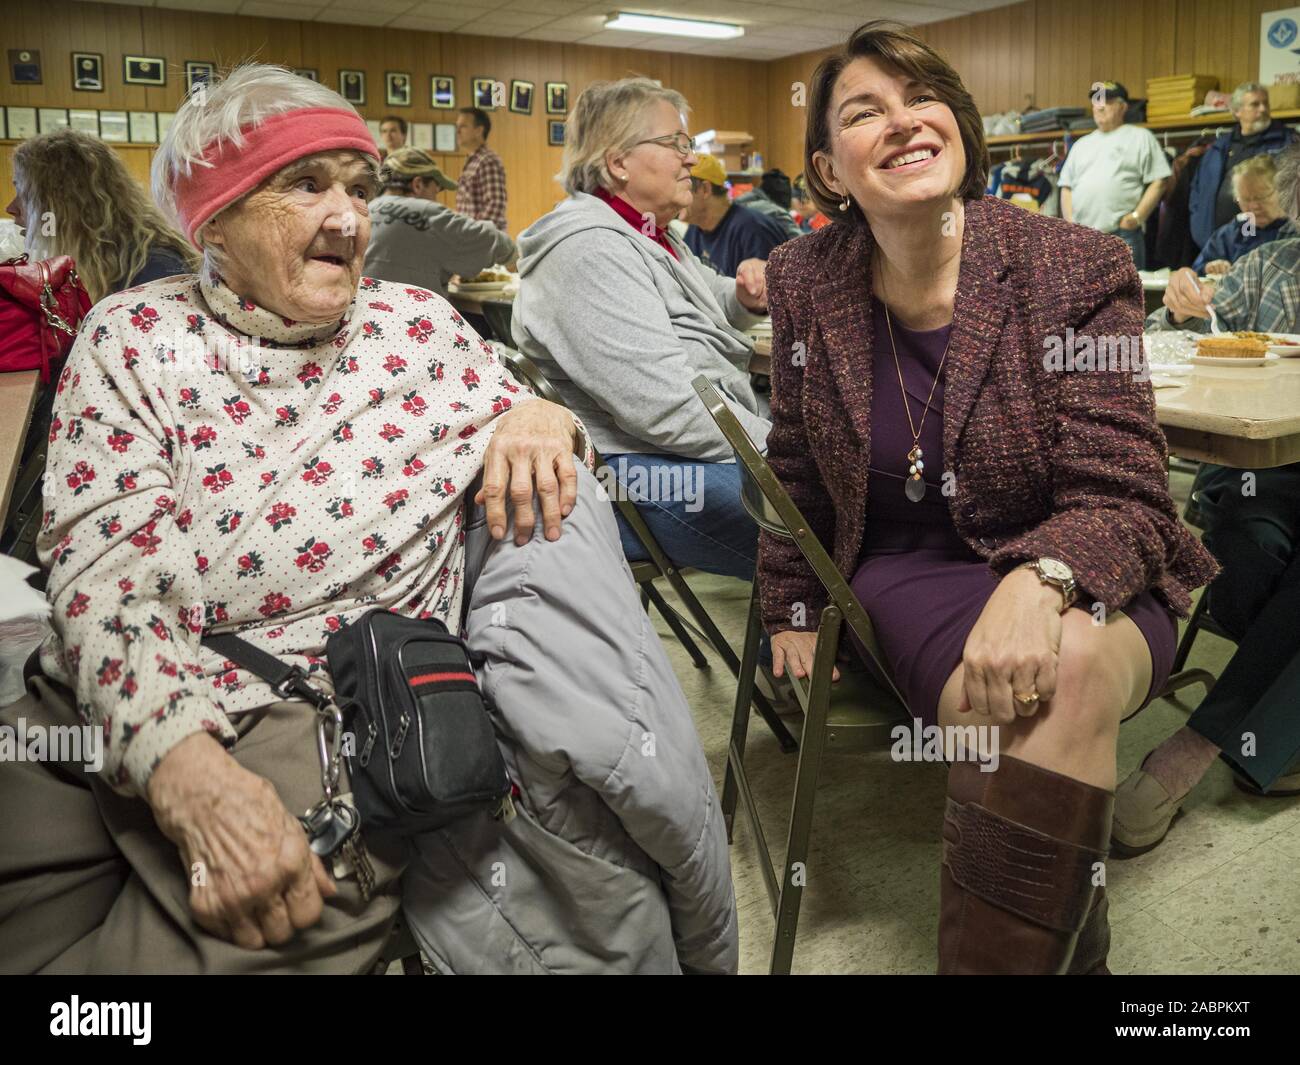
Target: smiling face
(658, 176)
(894, 145)
(295, 244)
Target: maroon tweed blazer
(1070, 465)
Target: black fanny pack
(419, 744)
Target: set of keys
(333, 824)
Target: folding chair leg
(702, 619)
(740, 713)
(649, 593)
(813, 746)
(1189, 636)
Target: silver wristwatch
(1056, 573)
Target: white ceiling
(772, 30)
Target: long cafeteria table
(1242, 416)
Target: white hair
(608, 116)
(216, 112)
(1243, 90)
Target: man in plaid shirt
(482, 189)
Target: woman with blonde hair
(414, 239)
(75, 197)
(622, 316)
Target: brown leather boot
(1020, 846)
(1094, 940)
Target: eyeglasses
(681, 143)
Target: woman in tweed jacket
(1042, 486)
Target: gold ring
(1025, 698)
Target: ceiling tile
(549, 33)
(353, 17)
(428, 25)
(391, 7)
(546, 7)
(516, 20)
(223, 7)
(262, 9)
(585, 23)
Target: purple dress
(920, 583)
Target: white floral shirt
(216, 468)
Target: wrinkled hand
(1013, 647)
(260, 879)
(751, 285)
(795, 651)
(1186, 297)
(1217, 267)
(531, 451)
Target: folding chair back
(660, 565)
(770, 505)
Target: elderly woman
(972, 495)
(414, 239)
(621, 316)
(1256, 536)
(1254, 189)
(313, 464)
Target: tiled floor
(1221, 894)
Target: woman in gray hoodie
(621, 317)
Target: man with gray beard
(1256, 132)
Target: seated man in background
(771, 196)
(1256, 132)
(1252, 526)
(1261, 220)
(724, 234)
(806, 212)
(415, 240)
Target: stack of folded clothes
(1175, 96)
(1049, 118)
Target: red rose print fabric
(213, 465)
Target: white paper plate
(1287, 351)
(1210, 360)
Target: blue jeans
(1136, 239)
(693, 509)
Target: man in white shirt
(1113, 178)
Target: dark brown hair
(894, 46)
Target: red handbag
(41, 307)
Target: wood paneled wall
(724, 93)
(1049, 52)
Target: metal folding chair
(854, 716)
(660, 565)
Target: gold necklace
(914, 487)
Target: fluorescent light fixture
(676, 27)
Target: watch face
(1055, 569)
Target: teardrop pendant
(915, 487)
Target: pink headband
(268, 146)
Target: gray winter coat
(621, 328)
(617, 860)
